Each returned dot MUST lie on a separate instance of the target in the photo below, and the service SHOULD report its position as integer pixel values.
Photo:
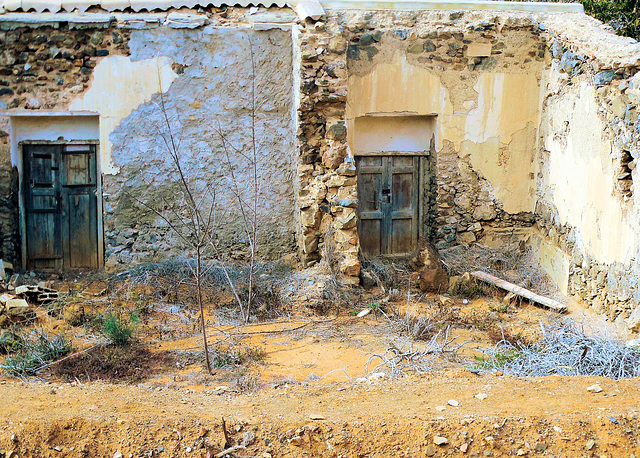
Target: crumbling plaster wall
(202, 65)
(212, 95)
(588, 205)
(478, 73)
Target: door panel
(388, 195)
(61, 206)
(42, 200)
(370, 236)
(401, 236)
(371, 214)
(82, 228)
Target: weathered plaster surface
(585, 198)
(201, 63)
(498, 134)
(210, 95)
(483, 90)
(587, 209)
(119, 85)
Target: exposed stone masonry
(45, 68)
(328, 194)
(611, 289)
(458, 203)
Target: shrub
(10, 342)
(36, 352)
(118, 330)
(622, 15)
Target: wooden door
(60, 185)
(388, 204)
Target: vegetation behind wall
(622, 15)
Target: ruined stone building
(376, 124)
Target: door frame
(22, 204)
(422, 157)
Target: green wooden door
(60, 186)
(388, 204)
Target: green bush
(622, 15)
(10, 342)
(120, 331)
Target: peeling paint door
(388, 204)
(60, 183)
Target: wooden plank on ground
(520, 291)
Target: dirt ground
(311, 387)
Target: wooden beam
(520, 291)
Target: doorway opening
(60, 186)
(394, 178)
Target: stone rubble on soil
(594, 388)
(481, 396)
(20, 304)
(439, 440)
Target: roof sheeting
(55, 6)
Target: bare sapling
(193, 220)
(247, 205)
(194, 215)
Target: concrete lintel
(533, 7)
(30, 113)
(42, 19)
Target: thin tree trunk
(202, 321)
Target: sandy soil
(551, 416)
(310, 395)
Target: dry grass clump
(415, 325)
(29, 353)
(513, 263)
(224, 355)
(172, 282)
(565, 349)
(388, 274)
(434, 354)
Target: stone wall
(477, 73)
(201, 66)
(43, 68)
(587, 202)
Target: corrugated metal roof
(486, 5)
(56, 6)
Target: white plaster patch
(581, 181)
(118, 87)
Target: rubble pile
(18, 304)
